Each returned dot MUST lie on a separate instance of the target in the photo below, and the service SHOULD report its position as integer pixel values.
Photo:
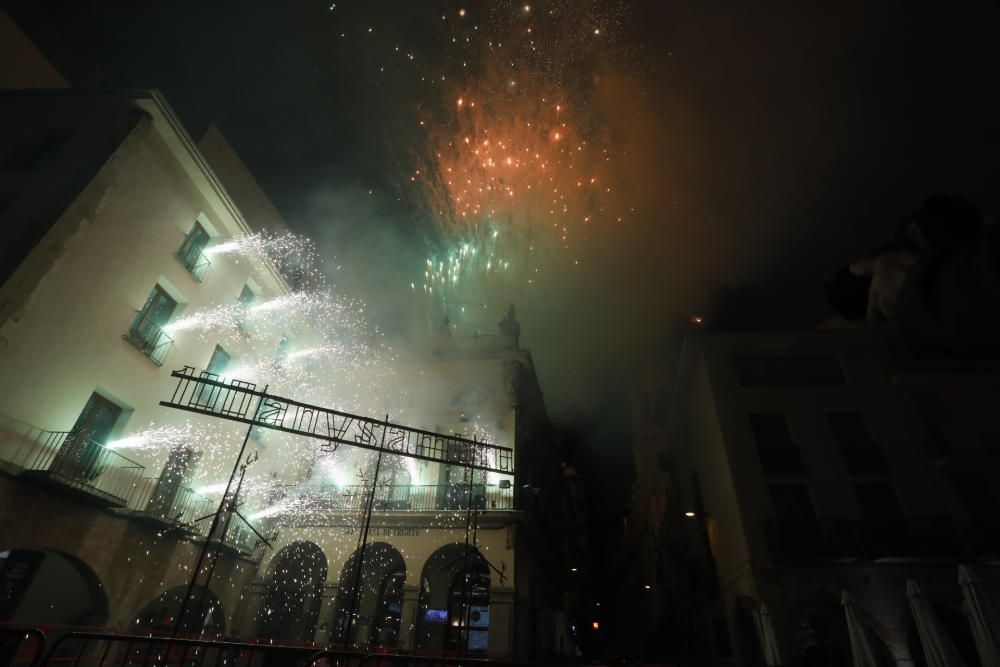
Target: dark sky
(770, 142)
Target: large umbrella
(983, 617)
(862, 654)
(939, 650)
(765, 631)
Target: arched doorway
(50, 588)
(159, 616)
(454, 607)
(379, 601)
(294, 593)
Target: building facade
(121, 269)
(804, 464)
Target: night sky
(757, 146)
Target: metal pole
(215, 520)
(359, 561)
(463, 628)
(222, 540)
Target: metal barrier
(168, 501)
(21, 647)
(73, 460)
(95, 649)
(337, 659)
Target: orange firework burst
(515, 174)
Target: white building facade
(809, 463)
(118, 220)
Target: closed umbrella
(939, 650)
(765, 631)
(862, 654)
(983, 617)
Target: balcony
(845, 538)
(148, 337)
(477, 342)
(412, 498)
(192, 257)
(78, 464)
(165, 501)
(833, 538)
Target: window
(979, 494)
(884, 522)
(246, 301)
(879, 504)
(82, 455)
(219, 361)
(146, 332)
(191, 252)
(208, 394)
(764, 371)
(798, 526)
(779, 455)
(861, 454)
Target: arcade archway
(294, 593)
(454, 605)
(50, 588)
(378, 606)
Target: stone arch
(378, 603)
(453, 607)
(159, 615)
(294, 593)
(51, 588)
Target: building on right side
(807, 463)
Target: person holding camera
(938, 281)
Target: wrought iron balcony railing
(193, 258)
(166, 500)
(414, 498)
(76, 461)
(148, 337)
(477, 342)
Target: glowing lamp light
(689, 514)
(596, 625)
(573, 569)
(647, 587)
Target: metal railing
(21, 440)
(417, 498)
(169, 502)
(843, 537)
(193, 258)
(96, 649)
(477, 342)
(240, 538)
(21, 646)
(148, 337)
(78, 462)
